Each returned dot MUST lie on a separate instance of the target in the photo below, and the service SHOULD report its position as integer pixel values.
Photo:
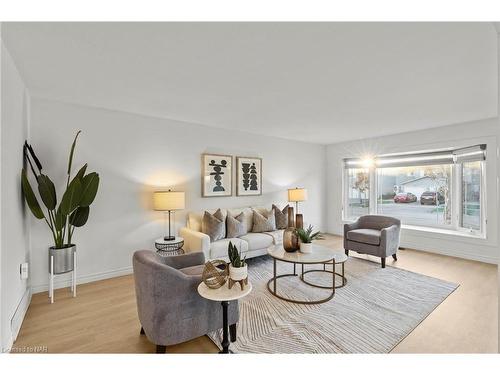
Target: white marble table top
(162, 241)
(224, 293)
(320, 254)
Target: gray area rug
(374, 311)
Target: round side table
(224, 295)
(169, 247)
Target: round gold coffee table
(320, 255)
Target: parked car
(431, 197)
(405, 198)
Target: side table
(169, 247)
(224, 295)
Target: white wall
(484, 131)
(135, 155)
(14, 230)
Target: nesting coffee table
(320, 255)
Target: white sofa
(251, 244)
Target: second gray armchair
(374, 235)
(170, 309)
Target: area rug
(375, 310)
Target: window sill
(450, 232)
(438, 231)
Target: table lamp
(297, 195)
(168, 201)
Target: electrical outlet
(24, 271)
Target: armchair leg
(383, 262)
(232, 332)
(347, 252)
(142, 331)
(161, 349)
(394, 256)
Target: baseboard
(82, 279)
(18, 317)
(7, 346)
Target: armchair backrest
(378, 222)
(156, 284)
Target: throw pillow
(281, 217)
(213, 225)
(265, 222)
(236, 226)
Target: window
(442, 189)
(471, 196)
(357, 193)
(417, 195)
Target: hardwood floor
(103, 318)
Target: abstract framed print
(216, 175)
(248, 176)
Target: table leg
(225, 329)
(294, 269)
(274, 270)
(333, 273)
(302, 270)
(343, 276)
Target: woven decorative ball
(215, 273)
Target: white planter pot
(238, 273)
(306, 248)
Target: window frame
(482, 206)
(456, 188)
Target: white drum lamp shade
(297, 195)
(168, 201)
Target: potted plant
(71, 212)
(306, 237)
(238, 269)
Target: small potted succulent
(238, 269)
(306, 237)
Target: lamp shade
(297, 195)
(168, 200)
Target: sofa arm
(195, 241)
(389, 239)
(351, 226)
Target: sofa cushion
(236, 226)
(195, 218)
(281, 217)
(264, 222)
(247, 212)
(193, 270)
(257, 240)
(218, 249)
(214, 225)
(369, 236)
(277, 236)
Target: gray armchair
(373, 234)
(170, 309)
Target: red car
(405, 198)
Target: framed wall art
(216, 175)
(248, 176)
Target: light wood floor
(103, 317)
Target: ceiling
(315, 82)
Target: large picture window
(417, 195)
(442, 189)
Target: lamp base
(169, 238)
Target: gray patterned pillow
(281, 217)
(265, 222)
(213, 225)
(236, 226)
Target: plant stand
(52, 274)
